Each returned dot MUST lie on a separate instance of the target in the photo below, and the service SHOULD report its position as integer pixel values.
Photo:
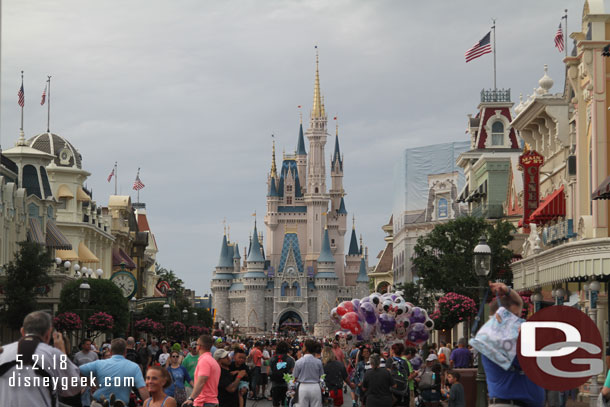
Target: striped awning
(64, 192)
(85, 255)
(35, 232)
(603, 190)
(120, 257)
(82, 196)
(66, 254)
(551, 207)
(55, 238)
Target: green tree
(416, 295)
(444, 257)
(104, 296)
(24, 278)
(154, 311)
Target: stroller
(292, 395)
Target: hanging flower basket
(101, 321)
(452, 309)
(146, 325)
(177, 329)
(67, 321)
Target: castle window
(288, 188)
(317, 190)
(332, 242)
(288, 200)
(497, 134)
(442, 208)
(30, 181)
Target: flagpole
(23, 103)
(138, 177)
(493, 27)
(116, 173)
(49, 105)
(566, 35)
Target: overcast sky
(190, 91)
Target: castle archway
(290, 321)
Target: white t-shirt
(265, 364)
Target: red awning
(120, 257)
(551, 207)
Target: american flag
(111, 175)
(559, 39)
(21, 96)
(137, 184)
(44, 95)
(480, 48)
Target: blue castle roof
(301, 142)
(236, 252)
(326, 255)
(342, 210)
(289, 166)
(363, 276)
(291, 242)
(225, 260)
(255, 255)
(353, 245)
(272, 188)
(337, 161)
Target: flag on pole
(559, 39)
(111, 175)
(480, 48)
(137, 184)
(44, 95)
(21, 96)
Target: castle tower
(337, 216)
(255, 282)
(362, 282)
(352, 260)
(316, 198)
(326, 285)
(236, 259)
(221, 282)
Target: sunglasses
(176, 356)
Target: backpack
(279, 367)
(133, 356)
(427, 380)
(400, 375)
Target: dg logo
(560, 348)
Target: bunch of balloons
(378, 316)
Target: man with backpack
(399, 371)
(279, 365)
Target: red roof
(553, 206)
(143, 222)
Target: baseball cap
(220, 354)
(431, 357)
(163, 341)
(193, 344)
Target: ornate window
(284, 288)
(289, 200)
(288, 188)
(497, 134)
(443, 210)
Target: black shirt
(233, 368)
(277, 375)
(335, 375)
(225, 398)
(377, 383)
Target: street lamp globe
(99, 273)
(537, 297)
(132, 304)
(166, 310)
(560, 293)
(185, 314)
(57, 261)
(595, 286)
(195, 315)
(84, 291)
(76, 267)
(67, 264)
(482, 257)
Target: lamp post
(594, 287)
(84, 293)
(166, 315)
(559, 295)
(536, 299)
(132, 309)
(482, 267)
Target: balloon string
(475, 326)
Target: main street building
(303, 271)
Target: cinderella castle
(303, 272)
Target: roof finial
(273, 168)
(336, 125)
(354, 222)
(300, 114)
(316, 111)
(224, 224)
(229, 233)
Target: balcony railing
(488, 211)
(495, 95)
(291, 298)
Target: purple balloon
(356, 303)
(417, 315)
(368, 309)
(387, 323)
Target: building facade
(303, 271)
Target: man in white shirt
(445, 351)
(21, 382)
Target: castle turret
(316, 197)
(336, 174)
(301, 157)
(362, 282)
(326, 284)
(352, 259)
(221, 282)
(236, 259)
(255, 282)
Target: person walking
(190, 362)
(429, 381)
(335, 375)
(460, 357)
(179, 376)
(455, 391)
(228, 384)
(361, 361)
(85, 355)
(114, 375)
(207, 376)
(377, 384)
(307, 372)
(279, 365)
(157, 380)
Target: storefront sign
(561, 231)
(530, 162)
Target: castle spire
(316, 112)
(224, 260)
(256, 254)
(273, 168)
(325, 254)
(362, 274)
(301, 141)
(337, 161)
